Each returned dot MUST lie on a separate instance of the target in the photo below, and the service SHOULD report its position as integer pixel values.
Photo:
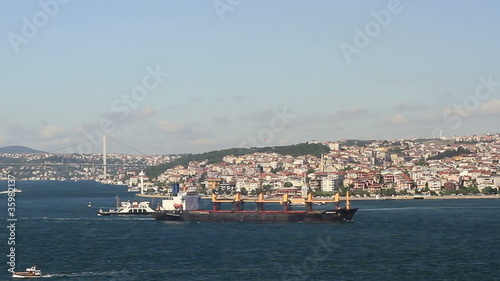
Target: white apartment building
(330, 183)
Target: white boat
(31, 272)
(128, 209)
(134, 189)
(9, 191)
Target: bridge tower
(104, 164)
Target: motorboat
(129, 208)
(31, 272)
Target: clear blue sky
(230, 70)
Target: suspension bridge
(84, 160)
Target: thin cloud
(195, 100)
(50, 132)
(170, 127)
(239, 98)
(47, 135)
(257, 116)
(429, 118)
(20, 131)
(410, 106)
(143, 113)
(445, 96)
(222, 120)
(489, 108)
(398, 119)
(202, 142)
(330, 120)
(350, 113)
(130, 116)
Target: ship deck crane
(238, 201)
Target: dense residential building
(404, 166)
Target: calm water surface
(389, 240)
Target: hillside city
(453, 166)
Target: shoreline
(418, 197)
(411, 197)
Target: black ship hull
(257, 216)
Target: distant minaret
(104, 164)
(304, 188)
(441, 134)
(321, 164)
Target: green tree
(321, 193)
(202, 189)
(360, 192)
(396, 150)
(343, 190)
(348, 168)
(287, 184)
(487, 190)
(450, 153)
(244, 191)
(203, 177)
(261, 169)
(267, 188)
(422, 162)
(473, 189)
(402, 192)
(388, 192)
(276, 170)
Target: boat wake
(89, 273)
(111, 275)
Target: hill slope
(18, 149)
(217, 156)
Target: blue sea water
(389, 240)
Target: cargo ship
(185, 207)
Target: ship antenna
(347, 200)
(117, 201)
